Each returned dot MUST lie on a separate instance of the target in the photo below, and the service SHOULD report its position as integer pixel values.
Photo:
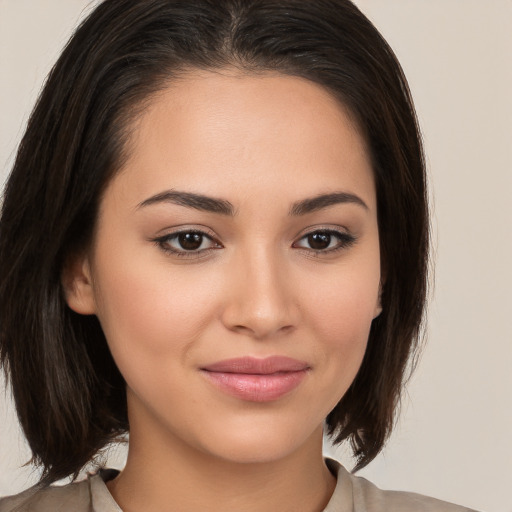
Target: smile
(257, 380)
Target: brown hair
(70, 397)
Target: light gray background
(454, 439)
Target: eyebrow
(323, 201)
(190, 200)
(224, 207)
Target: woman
(215, 238)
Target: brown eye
(187, 243)
(319, 241)
(190, 241)
(325, 241)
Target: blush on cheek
(345, 309)
(344, 325)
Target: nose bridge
(262, 303)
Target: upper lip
(257, 366)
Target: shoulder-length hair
(69, 395)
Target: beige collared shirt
(352, 494)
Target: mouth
(257, 380)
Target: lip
(257, 380)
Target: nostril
(260, 306)
(260, 331)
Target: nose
(261, 300)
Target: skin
(255, 287)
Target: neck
(174, 476)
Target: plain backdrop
(454, 436)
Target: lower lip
(256, 387)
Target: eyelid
(186, 228)
(345, 237)
(162, 242)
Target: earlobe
(76, 282)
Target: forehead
(224, 129)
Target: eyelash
(345, 240)
(164, 241)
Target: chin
(260, 445)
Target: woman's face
(235, 268)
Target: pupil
(319, 240)
(190, 241)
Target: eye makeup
(196, 243)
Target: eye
(187, 243)
(325, 240)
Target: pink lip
(257, 380)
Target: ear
(77, 282)
(378, 305)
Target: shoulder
(75, 497)
(367, 497)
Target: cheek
(343, 303)
(149, 313)
(345, 317)
(343, 326)
(341, 310)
